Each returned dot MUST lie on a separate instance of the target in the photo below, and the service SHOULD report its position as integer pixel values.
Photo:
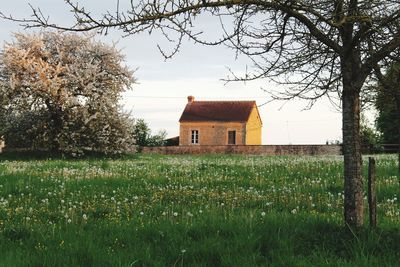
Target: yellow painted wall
(253, 128)
(212, 133)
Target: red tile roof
(225, 111)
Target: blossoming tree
(60, 92)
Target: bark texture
(353, 183)
(353, 201)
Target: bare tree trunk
(353, 191)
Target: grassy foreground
(190, 211)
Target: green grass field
(154, 210)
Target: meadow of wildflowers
(155, 210)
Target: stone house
(220, 123)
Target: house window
(195, 136)
(231, 137)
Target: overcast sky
(160, 95)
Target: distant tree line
(387, 103)
(144, 137)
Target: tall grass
(190, 211)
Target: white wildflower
(263, 213)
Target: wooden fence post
(371, 193)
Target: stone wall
(250, 150)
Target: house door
(231, 137)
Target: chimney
(190, 99)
